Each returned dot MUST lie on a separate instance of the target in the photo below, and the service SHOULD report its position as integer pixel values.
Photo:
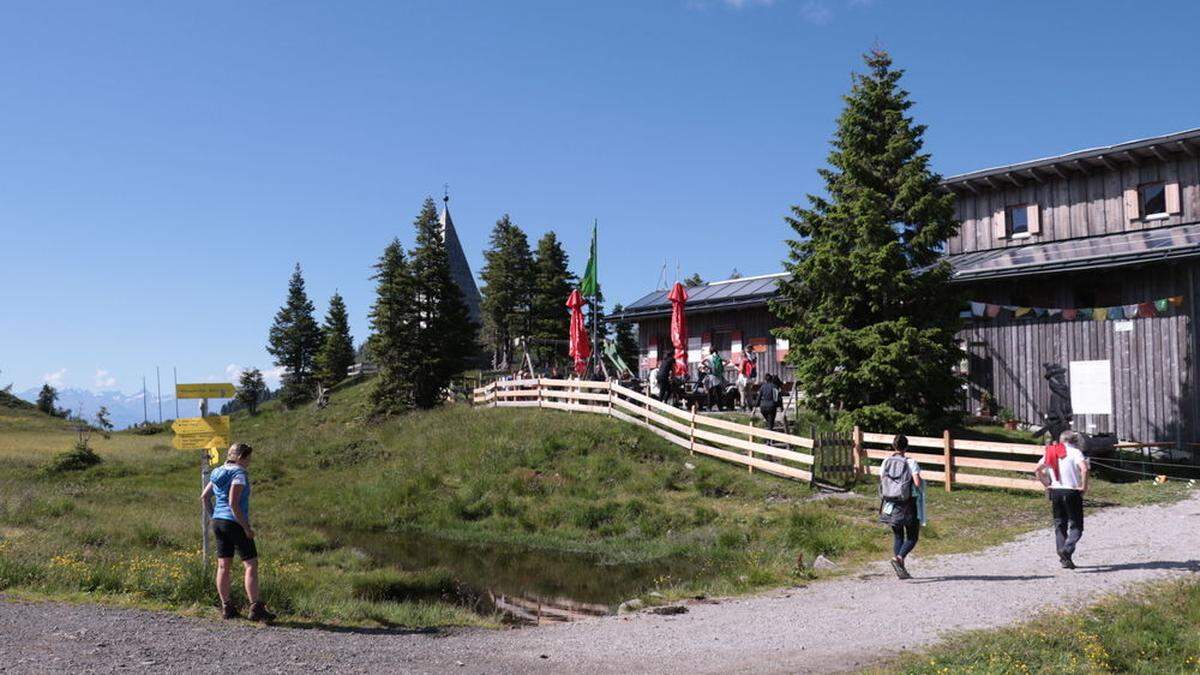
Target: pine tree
(104, 422)
(294, 340)
(46, 399)
(552, 283)
(394, 325)
(446, 335)
(337, 346)
(626, 342)
(694, 281)
(251, 389)
(508, 279)
(867, 307)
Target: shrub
(77, 458)
(714, 483)
(595, 516)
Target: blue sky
(163, 165)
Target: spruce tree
(46, 399)
(294, 340)
(394, 325)
(867, 307)
(626, 342)
(251, 389)
(552, 283)
(337, 346)
(507, 276)
(104, 422)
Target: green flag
(589, 285)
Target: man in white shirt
(1064, 472)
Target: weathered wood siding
(1074, 205)
(1154, 368)
(751, 322)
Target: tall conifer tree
(337, 346)
(294, 340)
(867, 308)
(507, 276)
(446, 335)
(626, 342)
(394, 325)
(552, 283)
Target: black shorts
(231, 537)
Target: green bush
(77, 458)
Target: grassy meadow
(127, 530)
(1155, 629)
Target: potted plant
(1009, 418)
(985, 404)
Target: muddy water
(527, 585)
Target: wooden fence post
(948, 461)
(610, 398)
(750, 437)
(692, 434)
(860, 467)
(539, 392)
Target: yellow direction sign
(207, 390)
(213, 426)
(200, 441)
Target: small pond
(527, 585)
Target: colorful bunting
(1139, 310)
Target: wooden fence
(773, 452)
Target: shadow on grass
(980, 577)
(1188, 565)
(389, 629)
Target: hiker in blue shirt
(229, 487)
(902, 502)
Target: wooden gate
(833, 463)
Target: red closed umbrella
(679, 337)
(581, 346)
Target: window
(1018, 220)
(1153, 198)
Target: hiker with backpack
(901, 502)
(1063, 470)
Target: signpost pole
(204, 484)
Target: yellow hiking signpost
(204, 433)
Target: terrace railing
(959, 462)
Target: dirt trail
(829, 626)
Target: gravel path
(828, 626)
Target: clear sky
(164, 164)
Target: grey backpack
(895, 479)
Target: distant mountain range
(124, 409)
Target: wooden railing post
(948, 461)
(692, 434)
(610, 398)
(749, 452)
(539, 392)
(860, 466)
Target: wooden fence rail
(791, 456)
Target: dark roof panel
(717, 295)
(1113, 250)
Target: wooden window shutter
(1172, 195)
(999, 226)
(1034, 218)
(1131, 204)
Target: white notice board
(1091, 387)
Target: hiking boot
(259, 612)
(898, 567)
(229, 611)
(1067, 563)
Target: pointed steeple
(459, 269)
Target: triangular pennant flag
(1176, 300)
(1116, 313)
(1145, 310)
(978, 308)
(1085, 312)
(1054, 312)
(1100, 313)
(1162, 305)
(1021, 311)
(1040, 311)
(1011, 308)
(993, 311)
(1131, 311)
(1070, 314)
